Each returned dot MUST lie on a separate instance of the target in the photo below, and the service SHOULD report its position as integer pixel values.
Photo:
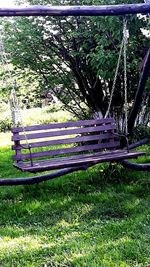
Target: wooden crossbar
(105, 10)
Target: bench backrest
(86, 136)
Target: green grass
(97, 218)
(43, 116)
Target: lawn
(96, 218)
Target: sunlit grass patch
(5, 139)
(20, 244)
(95, 218)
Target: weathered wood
(136, 166)
(63, 151)
(50, 165)
(18, 149)
(139, 143)
(106, 10)
(74, 157)
(40, 178)
(59, 125)
(100, 131)
(86, 138)
(108, 127)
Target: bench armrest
(122, 135)
(29, 147)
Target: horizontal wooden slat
(65, 141)
(18, 137)
(79, 156)
(68, 158)
(63, 125)
(68, 150)
(50, 165)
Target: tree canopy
(75, 57)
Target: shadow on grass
(94, 218)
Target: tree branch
(41, 178)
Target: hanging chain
(123, 49)
(13, 100)
(15, 108)
(126, 36)
(115, 79)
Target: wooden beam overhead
(105, 10)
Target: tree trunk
(139, 94)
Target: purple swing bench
(71, 144)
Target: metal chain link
(115, 79)
(13, 101)
(123, 49)
(126, 36)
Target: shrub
(35, 116)
(140, 132)
(5, 124)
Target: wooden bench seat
(69, 162)
(64, 145)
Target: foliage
(140, 132)
(43, 116)
(94, 218)
(25, 83)
(75, 57)
(5, 124)
(5, 119)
